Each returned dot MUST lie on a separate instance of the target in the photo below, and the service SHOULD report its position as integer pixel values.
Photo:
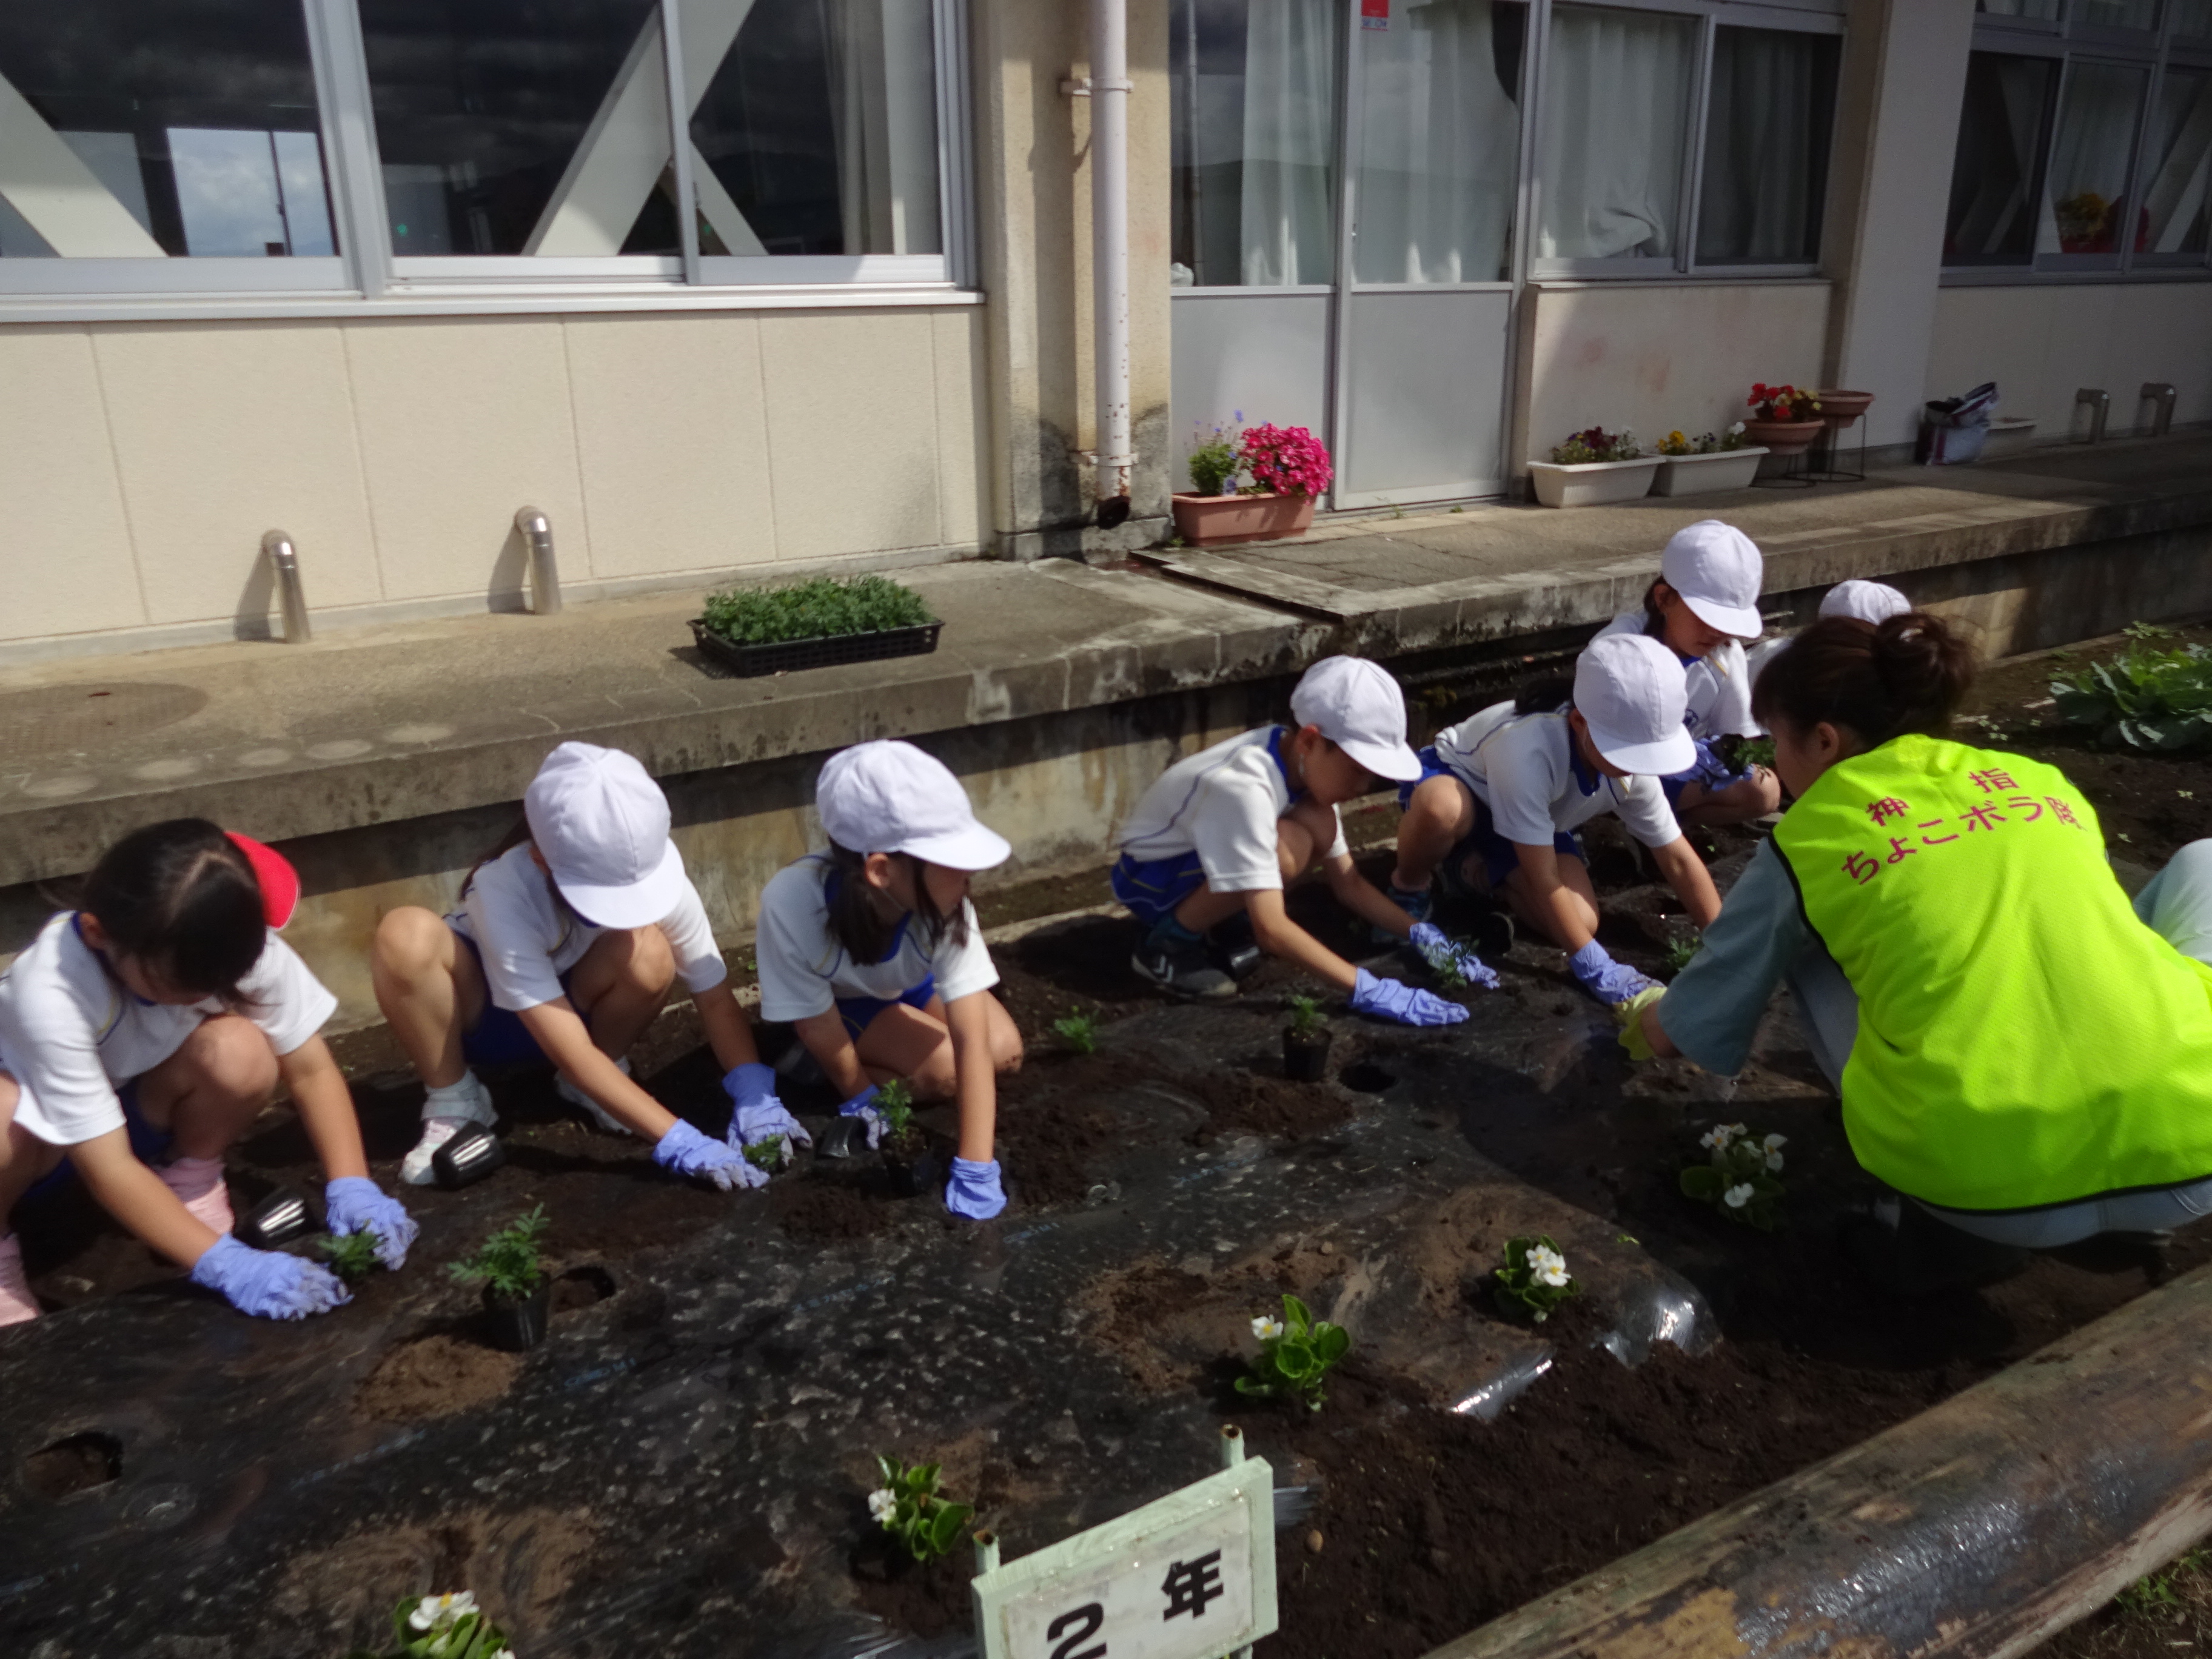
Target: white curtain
(1438, 144)
(1761, 178)
(2181, 159)
(884, 107)
(2088, 173)
(1290, 123)
(1615, 125)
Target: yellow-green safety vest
(2024, 1039)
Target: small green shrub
(1679, 951)
(2152, 696)
(1296, 1354)
(1306, 1021)
(1534, 1279)
(1596, 444)
(1078, 1030)
(352, 1257)
(509, 1262)
(1213, 461)
(441, 1627)
(895, 1104)
(910, 1507)
(766, 1153)
(1738, 1177)
(826, 607)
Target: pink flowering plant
(1288, 460)
(1783, 403)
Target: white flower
(1718, 1139)
(1266, 1329)
(1774, 1163)
(437, 1611)
(881, 1503)
(1547, 1266)
(504, 1653)
(1738, 1130)
(1774, 1144)
(1737, 1197)
(1737, 429)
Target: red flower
(1288, 460)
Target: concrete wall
(139, 462)
(2042, 343)
(1655, 356)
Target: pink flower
(1290, 461)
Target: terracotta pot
(1221, 520)
(1839, 409)
(1785, 437)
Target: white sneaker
(598, 1113)
(453, 1114)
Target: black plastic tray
(782, 656)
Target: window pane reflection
(1615, 123)
(2084, 196)
(2178, 172)
(2118, 13)
(482, 111)
(139, 129)
(2045, 10)
(2191, 17)
(1768, 118)
(1992, 216)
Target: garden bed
(688, 1454)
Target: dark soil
(435, 1376)
(76, 1464)
(924, 1600)
(1272, 1106)
(827, 1206)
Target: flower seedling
(1738, 1177)
(766, 1153)
(449, 1626)
(910, 1507)
(352, 1257)
(1213, 459)
(508, 1265)
(825, 607)
(1449, 965)
(1706, 443)
(1534, 1279)
(1783, 403)
(895, 1102)
(1306, 1022)
(1679, 951)
(1080, 1031)
(1596, 444)
(1296, 1354)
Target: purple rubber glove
(1611, 983)
(759, 1114)
(683, 1151)
(973, 1190)
(353, 1204)
(1439, 952)
(268, 1284)
(863, 1106)
(1391, 998)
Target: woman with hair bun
(2022, 1056)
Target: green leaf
(1294, 1357)
(945, 1529)
(1249, 1384)
(1330, 1342)
(1295, 1316)
(1703, 1182)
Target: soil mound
(435, 1376)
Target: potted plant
(1592, 468)
(1698, 465)
(1305, 1042)
(909, 1157)
(1289, 467)
(517, 1290)
(1784, 419)
(812, 624)
(1534, 1280)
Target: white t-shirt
(1223, 804)
(1522, 767)
(1719, 685)
(70, 1033)
(804, 969)
(528, 939)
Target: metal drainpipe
(291, 597)
(1110, 252)
(544, 569)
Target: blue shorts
(860, 1012)
(499, 1037)
(1150, 889)
(1500, 857)
(148, 1145)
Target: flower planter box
(1221, 520)
(1785, 437)
(1305, 1060)
(1700, 475)
(1593, 483)
(782, 656)
(517, 1326)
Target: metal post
(284, 566)
(1109, 251)
(2100, 405)
(2162, 393)
(544, 569)
(987, 1553)
(1232, 1445)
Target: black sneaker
(1231, 947)
(1181, 969)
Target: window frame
(1683, 263)
(2071, 40)
(364, 276)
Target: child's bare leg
(621, 984)
(1536, 911)
(1746, 798)
(1440, 815)
(430, 989)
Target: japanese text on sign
(1862, 866)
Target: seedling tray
(784, 656)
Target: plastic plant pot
(1592, 484)
(913, 1164)
(1305, 1059)
(517, 1325)
(836, 1140)
(468, 1157)
(1699, 475)
(276, 1219)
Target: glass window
(1616, 120)
(137, 128)
(2178, 171)
(483, 108)
(814, 126)
(2041, 10)
(2085, 191)
(1439, 143)
(2118, 13)
(1254, 122)
(2191, 17)
(1992, 216)
(1769, 116)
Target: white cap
(888, 797)
(1360, 710)
(1629, 689)
(1870, 602)
(601, 825)
(1717, 569)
